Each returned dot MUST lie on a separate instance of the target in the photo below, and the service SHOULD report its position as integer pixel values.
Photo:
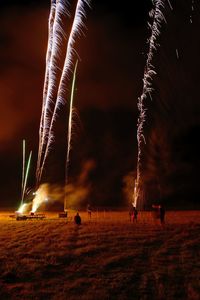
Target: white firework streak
(170, 4)
(53, 54)
(46, 80)
(23, 164)
(149, 73)
(70, 125)
(76, 30)
(71, 113)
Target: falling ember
(149, 73)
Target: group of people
(158, 213)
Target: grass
(105, 258)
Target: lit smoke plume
(75, 193)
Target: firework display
(48, 115)
(149, 73)
(55, 32)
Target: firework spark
(177, 54)
(41, 196)
(70, 124)
(46, 80)
(23, 208)
(56, 34)
(23, 166)
(76, 30)
(26, 177)
(158, 18)
(170, 4)
(192, 10)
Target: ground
(107, 257)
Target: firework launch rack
(31, 216)
(62, 215)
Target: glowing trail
(26, 176)
(149, 73)
(192, 10)
(49, 50)
(75, 31)
(71, 112)
(58, 33)
(46, 81)
(70, 124)
(177, 54)
(23, 166)
(54, 47)
(22, 208)
(40, 197)
(170, 4)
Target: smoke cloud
(75, 193)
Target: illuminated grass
(107, 258)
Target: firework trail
(56, 35)
(70, 124)
(158, 18)
(170, 4)
(22, 208)
(40, 198)
(23, 165)
(177, 54)
(26, 177)
(192, 10)
(76, 29)
(46, 80)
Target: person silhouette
(77, 219)
(89, 210)
(135, 214)
(162, 214)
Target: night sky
(109, 82)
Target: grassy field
(105, 258)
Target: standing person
(66, 213)
(156, 213)
(162, 214)
(89, 210)
(135, 214)
(130, 213)
(77, 219)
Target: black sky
(113, 54)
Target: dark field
(105, 258)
